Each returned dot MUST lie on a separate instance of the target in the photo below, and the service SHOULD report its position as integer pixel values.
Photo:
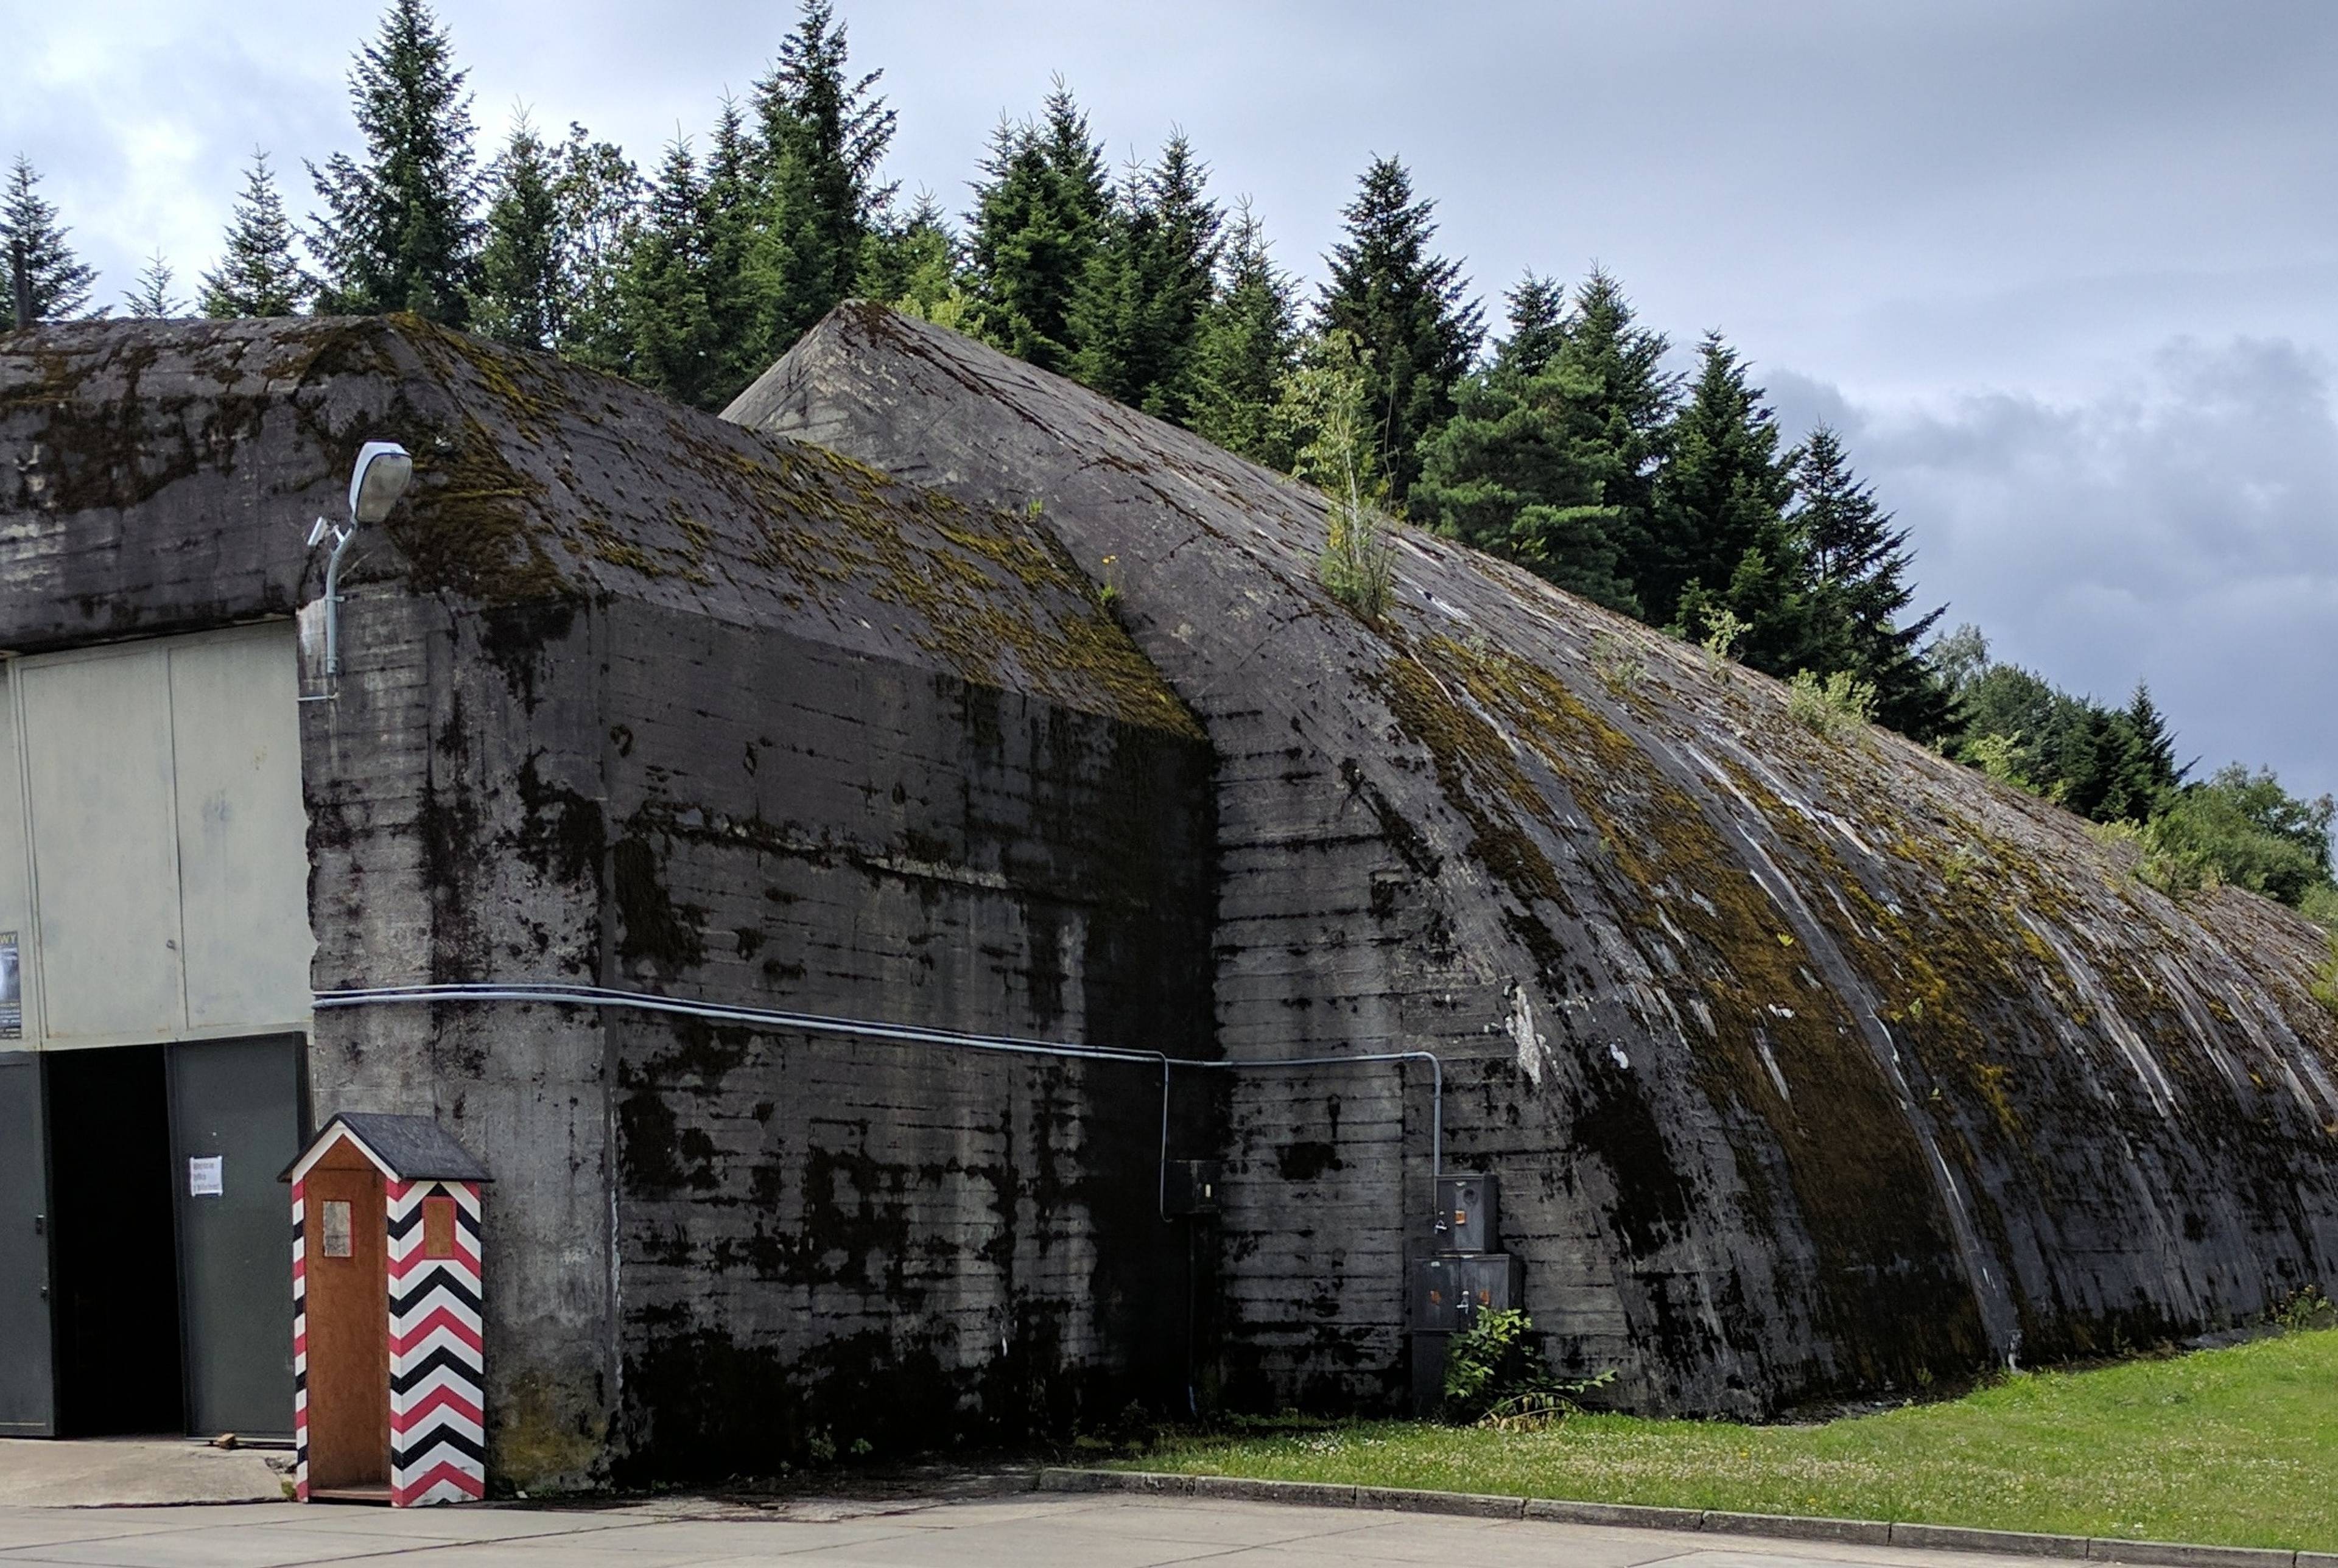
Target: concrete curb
(1634, 1517)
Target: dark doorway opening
(115, 1245)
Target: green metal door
(235, 1125)
(28, 1392)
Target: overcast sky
(2065, 273)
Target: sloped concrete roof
(1814, 1062)
(163, 475)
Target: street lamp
(383, 470)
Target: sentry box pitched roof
(405, 1148)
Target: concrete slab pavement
(1029, 1531)
(110, 1471)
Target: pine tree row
(1571, 447)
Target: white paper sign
(204, 1175)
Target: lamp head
(383, 469)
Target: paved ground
(1033, 1530)
(39, 1472)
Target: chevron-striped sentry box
(437, 1365)
(386, 1233)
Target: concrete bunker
(833, 924)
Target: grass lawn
(2236, 1447)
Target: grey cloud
(2181, 529)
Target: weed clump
(1323, 407)
(2302, 1308)
(2153, 860)
(2325, 984)
(1495, 1376)
(1837, 706)
(1619, 667)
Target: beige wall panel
(98, 778)
(242, 831)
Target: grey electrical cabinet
(1456, 1276)
(1469, 1213)
(1451, 1289)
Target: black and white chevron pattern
(437, 1372)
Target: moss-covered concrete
(1812, 1064)
(534, 480)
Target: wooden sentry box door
(347, 1342)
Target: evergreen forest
(1553, 427)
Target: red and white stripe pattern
(437, 1373)
(299, 1343)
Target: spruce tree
(1856, 564)
(522, 273)
(1717, 536)
(2156, 776)
(824, 133)
(598, 193)
(1249, 344)
(2094, 761)
(259, 275)
(910, 261)
(151, 298)
(1627, 398)
(60, 284)
(671, 343)
(1549, 458)
(1407, 308)
(398, 232)
(755, 212)
(1039, 213)
(1537, 328)
(1138, 316)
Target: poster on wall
(12, 1003)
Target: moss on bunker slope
(536, 480)
(556, 472)
(1794, 1089)
(1927, 1076)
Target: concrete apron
(121, 1471)
(1774, 1526)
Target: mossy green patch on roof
(538, 479)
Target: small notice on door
(205, 1177)
(12, 992)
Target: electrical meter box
(1469, 1213)
(1451, 1289)
(1190, 1187)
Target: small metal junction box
(1190, 1187)
(1469, 1212)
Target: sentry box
(388, 1359)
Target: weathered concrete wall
(1811, 1065)
(635, 698)
(162, 478)
(829, 1240)
(771, 667)
(456, 835)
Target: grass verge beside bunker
(2235, 1446)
